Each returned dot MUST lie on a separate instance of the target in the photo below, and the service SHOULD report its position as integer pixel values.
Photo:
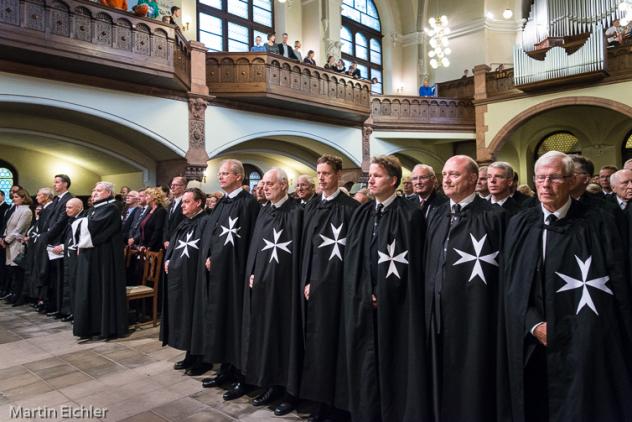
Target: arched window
(626, 152)
(8, 177)
(232, 25)
(253, 176)
(564, 142)
(361, 39)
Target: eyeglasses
(553, 178)
(175, 185)
(418, 178)
(223, 174)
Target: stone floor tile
(27, 391)
(74, 392)
(144, 417)
(209, 415)
(18, 381)
(68, 380)
(55, 371)
(180, 409)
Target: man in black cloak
(325, 224)
(500, 183)
(101, 303)
(74, 208)
(220, 295)
(567, 305)
(36, 254)
(182, 266)
(57, 223)
(382, 367)
(425, 188)
(271, 337)
(462, 296)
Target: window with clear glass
(232, 25)
(361, 39)
(6, 181)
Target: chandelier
(438, 34)
(625, 9)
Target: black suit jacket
(134, 230)
(291, 54)
(151, 234)
(128, 220)
(173, 219)
(3, 221)
(520, 198)
(435, 200)
(58, 220)
(511, 206)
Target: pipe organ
(566, 18)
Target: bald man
(462, 289)
(74, 209)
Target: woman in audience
(271, 46)
(13, 242)
(340, 66)
(310, 58)
(331, 63)
(151, 227)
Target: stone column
(483, 154)
(367, 130)
(198, 69)
(196, 156)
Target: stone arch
(510, 127)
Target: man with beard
(382, 365)
(462, 296)
(326, 221)
(271, 321)
(424, 186)
(567, 307)
(220, 295)
(182, 266)
(101, 303)
(500, 178)
(74, 208)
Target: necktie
(456, 213)
(378, 216)
(173, 207)
(623, 205)
(550, 219)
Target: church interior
(103, 94)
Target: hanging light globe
(431, 53)
(507, 14)
(444, 20)
(434, 64)
(445, 62)
(447, 51)
(433, 43)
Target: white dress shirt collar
(234, 193)
(281, 201)
(498, 201)
(559, 213)
(332, 196)
(386, 202)
(465, 201)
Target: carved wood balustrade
(421, 113)
(88, 38)
(271, 80)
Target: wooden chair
(151, 275)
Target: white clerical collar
(234, 193)
(100, 204)
(486, 197)
(388, 201)
(46, 204)
(498, 201)
(559, 213)
(607, 193)
(465, 201)
(281, 201)
(332, 196)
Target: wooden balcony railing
(274, 82)
(87, 38)
(422, 113)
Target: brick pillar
(483, 154)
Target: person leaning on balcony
(171, 19)
(353, 71)
(310, 58)
(153, 9)
(426, 90)
(297, 51)
(115, 4)
(258, 47)
(285, 50)
(271, 46)
(340, 66)
(331, 63)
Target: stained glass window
(564, 142)
(6, 181)
(232, 25)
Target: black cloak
(383, 361)
(586, 305)
(183, 255)
(100, 295)
(219, 297)
(324, 237)
(462, 309)
(271, 321)
(70, 268)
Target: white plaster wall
(132, 180)
(145, 114)
(226, 128)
